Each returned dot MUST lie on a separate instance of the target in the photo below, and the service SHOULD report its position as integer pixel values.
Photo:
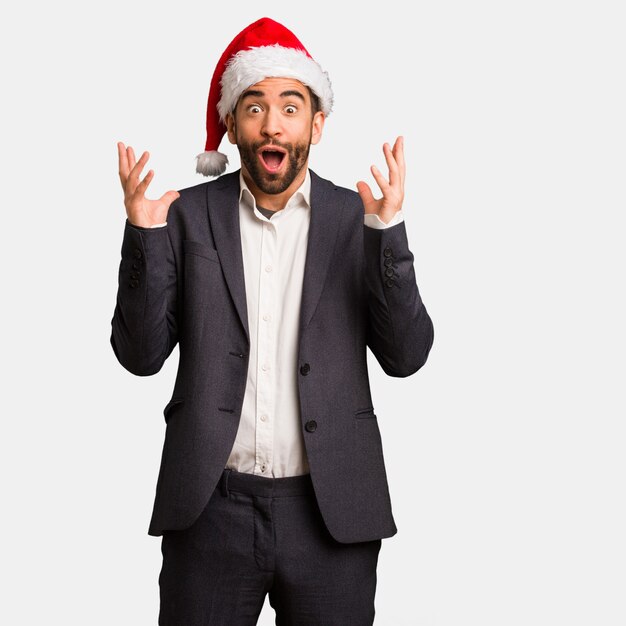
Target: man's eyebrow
(252, 93)
(255, 93)
(292, 92)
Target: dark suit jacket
(184, 283)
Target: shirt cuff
(373, 221)
(159, 225)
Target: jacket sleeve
(400, 332)
(144, 325)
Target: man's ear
(230, 128)
(317, 127)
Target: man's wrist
(372, 220)
(153, 226)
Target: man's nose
(271, 123)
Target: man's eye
(290, 108)
(254, 106)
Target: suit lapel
(326, 213)
(223, 207)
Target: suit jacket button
(304, 370)
(388, 272)
(388, 262)
(134, 275)
(311, 425)
(389, 282)
(137, 253)
(387, 251)
(134, 283)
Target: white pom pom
(212, 163)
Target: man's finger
(394, 175)
(169, 196)
(131, 157)
(380, 179)
(123, 161)
(136, 171)
(365, 192)
(398, 151)
(143, 185)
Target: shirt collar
(303, 192)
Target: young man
(273, 281)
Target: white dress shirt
(269, 440)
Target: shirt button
(263, 418)
(268, 268)
(267, 318)
(263, 468)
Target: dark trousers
(260, 535)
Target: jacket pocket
(367, 412)
(200, 249)
(167, 411)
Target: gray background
(505, 453)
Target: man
(273, 281)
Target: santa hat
(263, 49)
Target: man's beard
(297, 155)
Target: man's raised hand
(141, 211)
(393, 190)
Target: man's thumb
(170, 196)
(365, 192)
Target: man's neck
(278, 201)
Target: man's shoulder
(195, 193)
(349, 199)
(192, 200)
(351, 196)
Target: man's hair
(315, 101)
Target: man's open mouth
(272, 158)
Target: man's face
(273, 128)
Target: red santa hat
(264, 48)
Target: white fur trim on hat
(249, 67)
(211, 163)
